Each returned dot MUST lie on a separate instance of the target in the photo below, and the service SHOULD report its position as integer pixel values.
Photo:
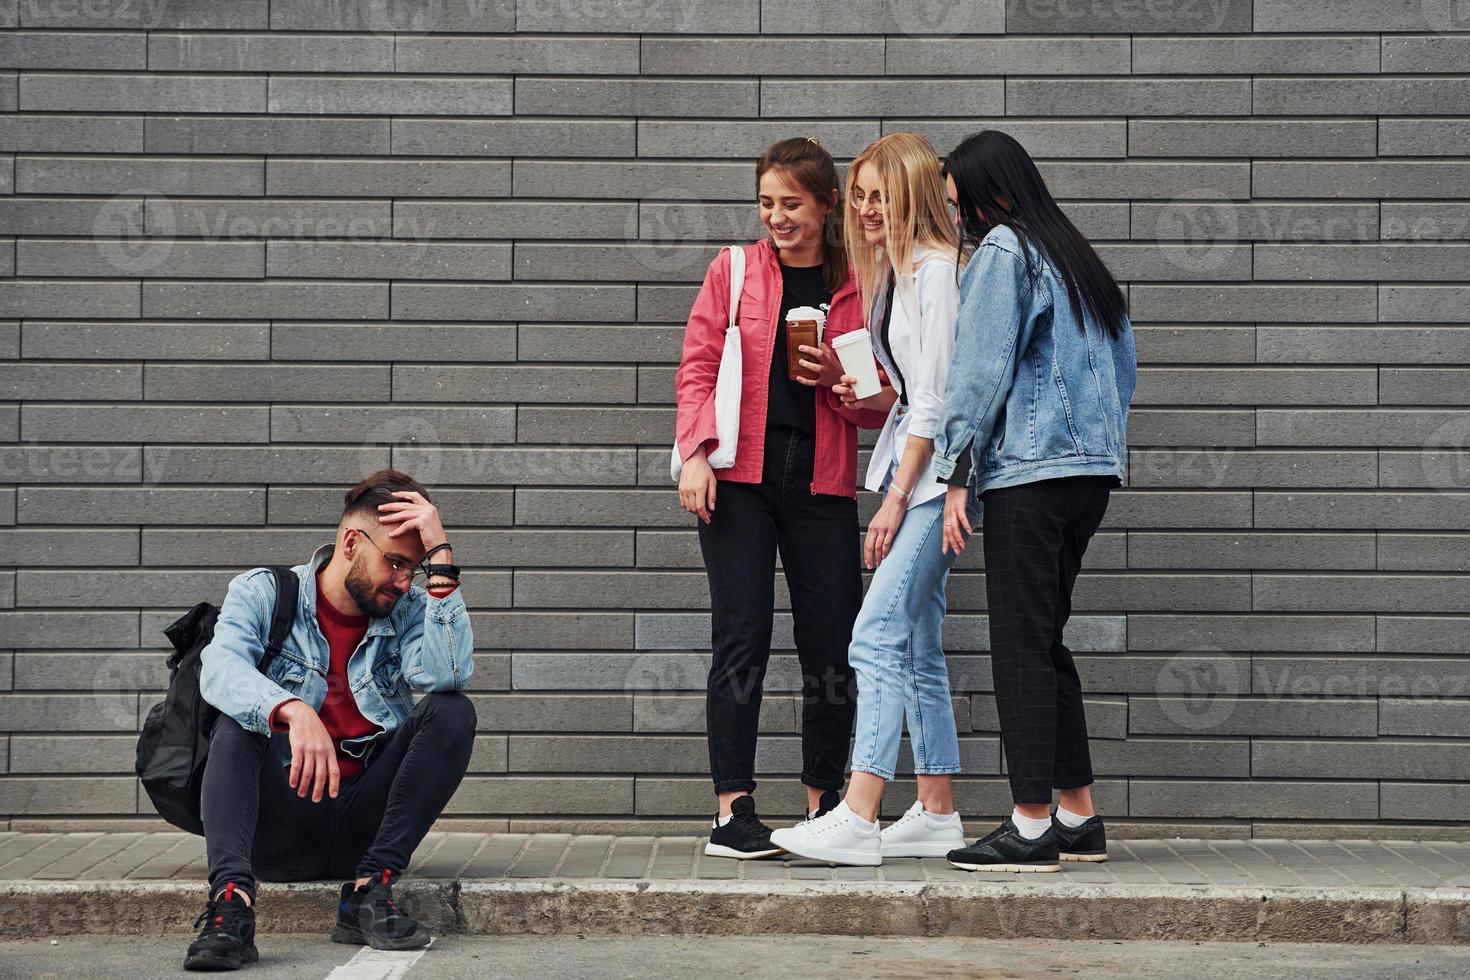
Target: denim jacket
(1031, 393)
(424, 644)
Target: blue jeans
(898, 655)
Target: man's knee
(450, 710)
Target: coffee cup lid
(807, 313)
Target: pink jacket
(835, 469)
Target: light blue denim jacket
(423, 644)
(1032, 394)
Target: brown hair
(809, 166)
(378, 489)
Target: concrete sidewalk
(1276, 890)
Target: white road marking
(377, 964)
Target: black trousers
(817, 538)
(256, 827)
(1035, 535)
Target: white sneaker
(833, 837)
(916, 834)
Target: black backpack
(174, 743)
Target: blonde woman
(905, 248)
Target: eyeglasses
(402, 567)
(859, 200)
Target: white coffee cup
(855, 351)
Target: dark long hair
(990, 165)
(808, 165)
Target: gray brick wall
(252, 250)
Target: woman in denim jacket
(1034, 423)
(906, 251)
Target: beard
(372, 602)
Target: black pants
(255, 826)
(1035, 536)
(817, 537)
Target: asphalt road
(571, 958)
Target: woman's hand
(956, 519)
(881, 402)
(823, 363)
(883, 529)
(697, 485)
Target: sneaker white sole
(1084, 857)
(835, 855)
(721, 851)
(922, 849)
(1019, 868)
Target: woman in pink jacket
(790, 490)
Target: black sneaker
(826, 804)
(744, 837)
(1004, 849)
(227, 941)
(368, 916)
(1085, 843)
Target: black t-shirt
(792, 404)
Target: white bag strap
(737, 280)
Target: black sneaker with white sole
(1004, 849)
(1085, 843)
(743, 836)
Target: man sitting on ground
(323, 766)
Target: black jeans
(817, 537)
(255, 826)
(1035, 536)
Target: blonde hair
(912, 186)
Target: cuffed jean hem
(874, 771)
(735, 786)
(821, 784)
(937, 771)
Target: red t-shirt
(339, 712)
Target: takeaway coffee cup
(804, 327)
(855, 351)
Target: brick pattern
(250, 251)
